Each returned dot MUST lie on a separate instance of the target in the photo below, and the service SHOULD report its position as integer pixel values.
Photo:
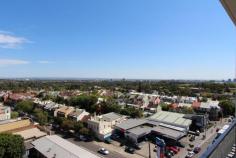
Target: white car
(103, 151)
(190, 154)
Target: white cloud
(5, 32)
(45, 62)
(7, 40)
(8, 62)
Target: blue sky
(154, 39)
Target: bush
(11, 146)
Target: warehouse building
(56, 147)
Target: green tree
(84, 131)
(59, 100)
(228, 107)
(58, 120)
(187, 110)
(78, 125)
(84, 101)
(132, 112)
(105, 107)
(11, 146)
(25, 106)
(14, 114)
(41, 116)
(164, 107)
(136, 113)
(204, 99)
(68, 125)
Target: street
(116, 151)
(210, 135)
(93, 146)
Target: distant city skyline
(132, 39)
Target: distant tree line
(171, 87)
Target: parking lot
(145, 150)
(118, 151)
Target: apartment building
(5, 113)
(103, 125)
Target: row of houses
(104, 125)
(147, 101)
(60, 110)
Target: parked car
(196, 150)
(82, 137)
(192, 138)
(129, 150)
(55, 126)
(137, 146)
(172, 149)
(108, 141)
(168, 154)
(177, 148)
(191, 145)
(198, 133)
(171, 152)
(180, 145)
(103, 151)
(115, 136)
(190, 154)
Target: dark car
(198, 133)
(192, 138)
(115, 136)
(103, 151)
(196, 150)
(191, 145)
(129, 150)
(171, 152)
(108, 141)
(180, 145)
(168, 154)
(137, 146)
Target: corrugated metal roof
(168, 132)
(171, 117)
(131, 123)
(55, 146)
(112, 116)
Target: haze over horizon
(132, 39)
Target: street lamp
(149, 147)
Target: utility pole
(205, 125)
(149, 149)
